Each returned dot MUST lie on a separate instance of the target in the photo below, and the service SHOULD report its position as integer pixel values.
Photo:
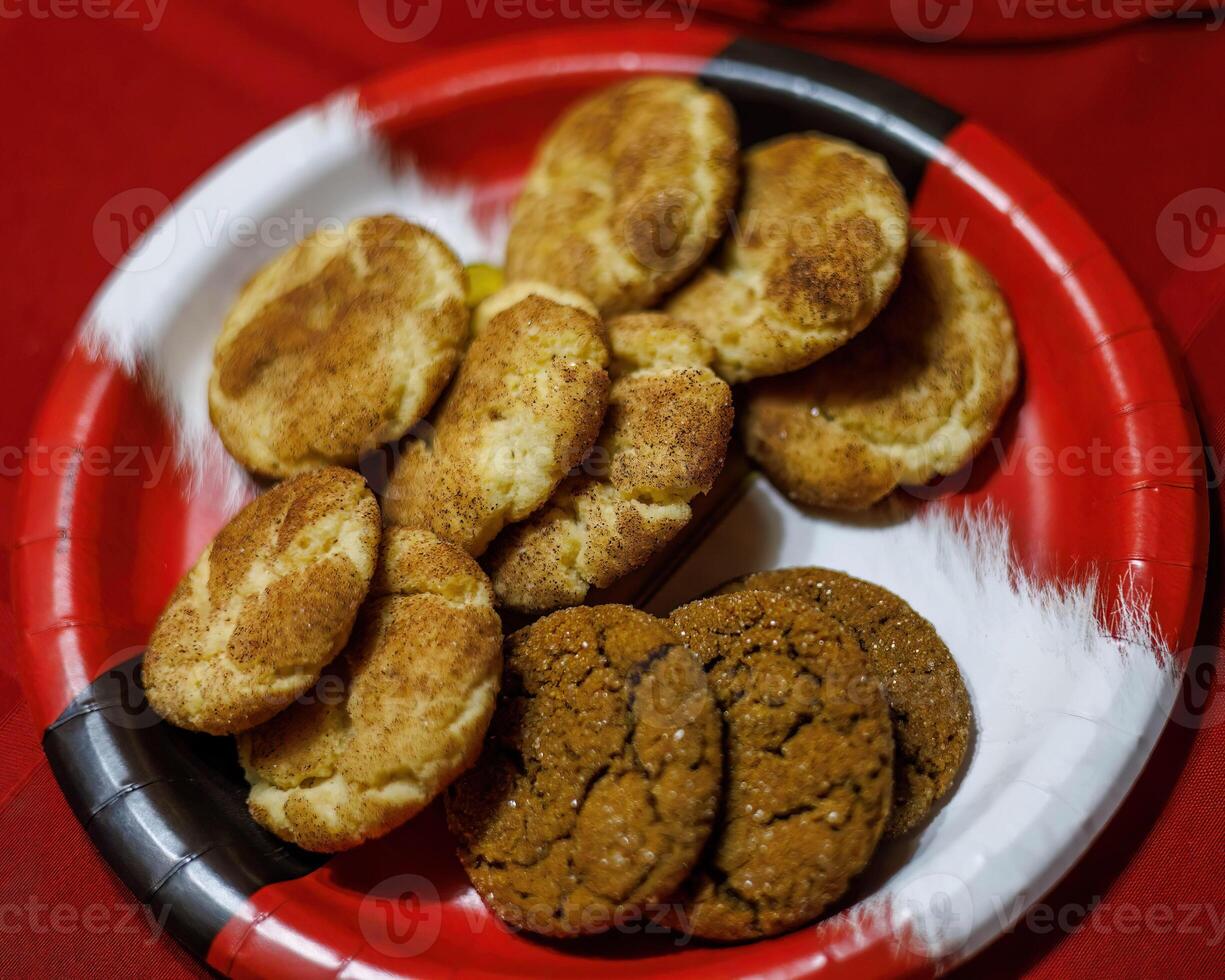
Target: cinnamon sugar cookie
(516, 292)
(600, 777)
(339, 344)
(807, 764)
(267, 605)
(663, 442)
(815, 253)
(915, 397)
(525, 408)
(628, 193)
(927, 696)
(400, 713)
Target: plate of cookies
(672, 504)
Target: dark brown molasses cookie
(807, 764)
(927, 697)
(599, 781)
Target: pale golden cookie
(927, 698)
(915, 397)
(338, 345)
(628, 193)
(267, 605)
(807, 764)
(525, 408)
(399, 715)
(814, 254)
(516, 292)
(663, 442)
(600, 778)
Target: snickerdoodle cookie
(516, 292)
(916, 396)
(927, 697)
(663, 442)
(808, 764)
(525, 408)
(267, 605)
(815, 252)
(599, 780)
(628, 193)
(399, 714)
(338, 345)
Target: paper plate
(106, 526)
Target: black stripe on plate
(777, 90)
(166, 808)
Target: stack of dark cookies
(729, 770)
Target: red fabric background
(1124, 114)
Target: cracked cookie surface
(600, 777)
(399, 714)
(916, 396)
(928, 701)
(820, 235)
(628, 193)
(525, 407)
(807, 764)
(368, 322)
(267, 605)
(663, 442)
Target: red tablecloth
(1125, 112)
